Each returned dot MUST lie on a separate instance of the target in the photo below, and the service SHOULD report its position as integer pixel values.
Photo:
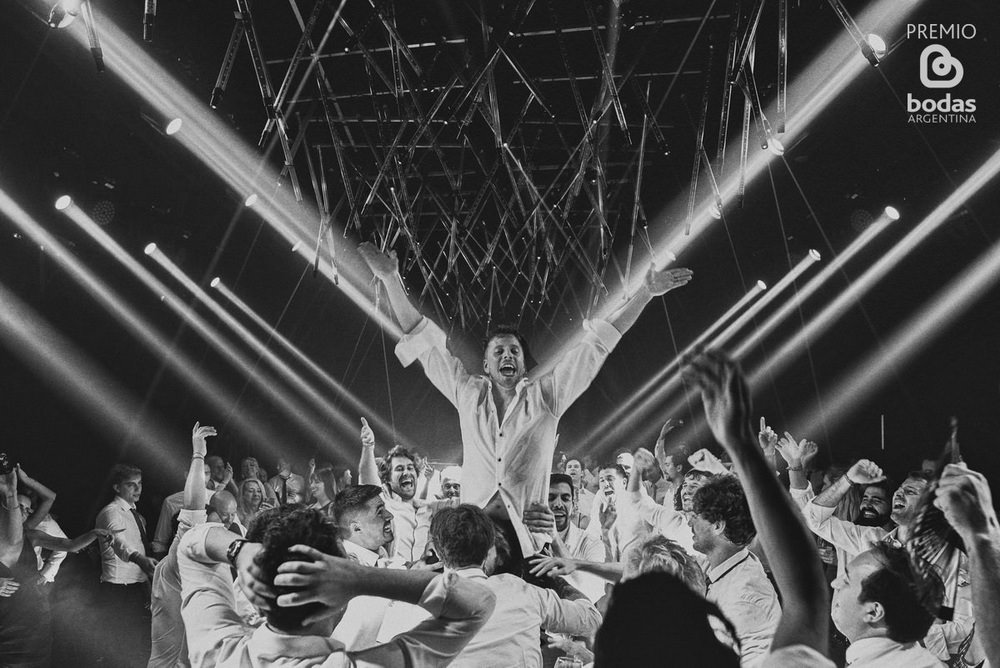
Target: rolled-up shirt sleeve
(460, 607)
(851, 538)
(428, 344)
(578, 617)
(575, 369)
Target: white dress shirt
(509, 455)
(125, 542)
(168, 648)
(747, 598)
(796, 656)
(582, 545)
(886, 653)
(410, 527)
(359, 627)
(49, 566)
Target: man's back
(511, 636)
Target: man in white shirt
(464, 538)
(308, 597)
(942, 639)
(366, 528)
(509, 419)
(876, 607)
(163, 536)
(584, 498)
(571, 541)
(169, 647)
(722, 528)
(288, 487)
(126, 568)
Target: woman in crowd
(251, 500)
(322, 487)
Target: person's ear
(874, 613)
(486, 366)
(355, 527)
(719, 527)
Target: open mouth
(868, 512)
(406, 482)
(508, 369)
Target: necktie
(284, 490)
(141, 523)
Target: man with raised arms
(508, 417)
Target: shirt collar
(268, 643)
(364, 556)
(472, 573)
(714, 574)
(122, 503)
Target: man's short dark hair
(385, 466)
(122, 472)
(926, 476)
(656, 618)
(562, 479)
(618, 468)
(462, 535)
(679, 457)
(351, 499)
(721, 498)
(894, 585)
(278, 529)
(507, 329)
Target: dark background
(65, 128)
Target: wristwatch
(234, 550)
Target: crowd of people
(764, 554)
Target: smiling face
(130, 489)
(560, 503)
(504, 360)
(249, 468)
(252, 493)
(692, 483)
(26, 506)
(904, 501)
(403, 477)
(371, 528)
(874, 509)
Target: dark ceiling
(482, 142)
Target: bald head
(224, 505)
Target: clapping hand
(796, 453)
(383, 265)
(864, 472)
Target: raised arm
(795, 453)
(790, 549)
(385, 266)
(657, 283)
(367, 468)
(863, 472)
(563, 566)
(964, 497)
(46, 497)
(195, 494)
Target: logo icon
(940, 69)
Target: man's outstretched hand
(383, 265)
(725, 395)
(663, 281)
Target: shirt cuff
(604, 332)
(425, 336)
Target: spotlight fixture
(163, 124)
(150, 249)
(215, 282)
(877, 44)
(297, 246)
(64, 13)
(775, 146)
(174, 126)
(892, 213)
(814, 254)
(250, 200)
(63, 203)
(715, 211)
(762, 285)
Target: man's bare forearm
(406, 313)
(984, 573)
